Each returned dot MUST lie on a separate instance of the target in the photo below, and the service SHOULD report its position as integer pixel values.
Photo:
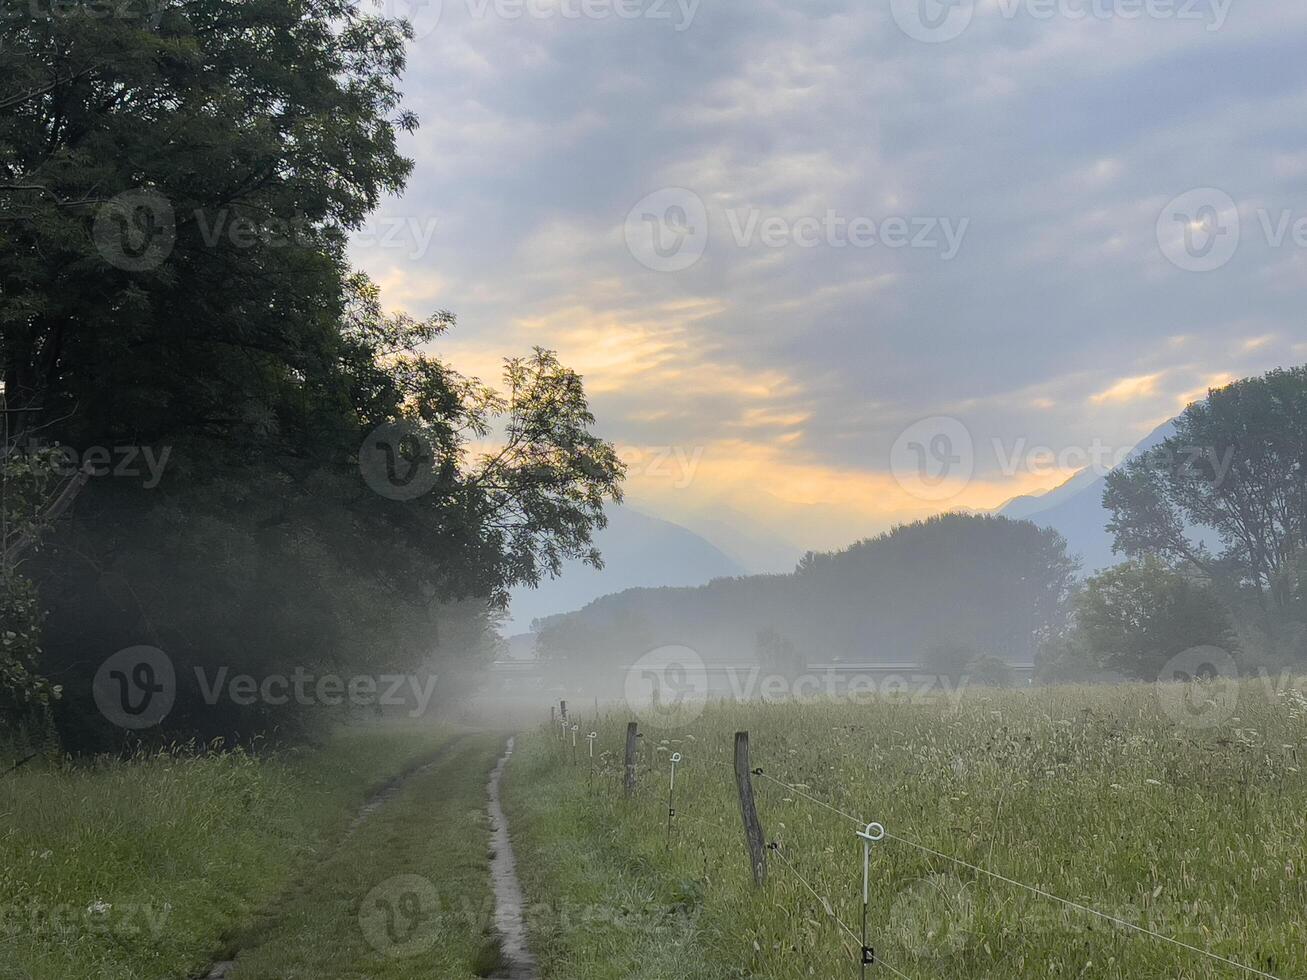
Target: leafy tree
(1134, 617)
(999, 585)
(776, 652)
(1237, 465)
(177, 182)
(30, 498)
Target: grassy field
(148, 868)
(1092, 794)
(406, 896)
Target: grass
(406, 896)
(146, 868)
(598, 909)
(1093, 794)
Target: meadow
(1095, 795)
(155, 866)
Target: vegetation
(151, 866)
(421, 858)
(29, 500)
(1098, 795)
(1226, 497)
(1134, 618)
(177, 182)
(973, 585)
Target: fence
(871, 833)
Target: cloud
(1128, 390)
(794, 369)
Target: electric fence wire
(1253, 971)
(775, 849)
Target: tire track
(509, 899)
(222, 969)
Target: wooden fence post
(563, 707)
(753, 834)
(553, 720)
(631, 744)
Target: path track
(222, 970)
(509, 900)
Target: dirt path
(509, 900)
(222, 970)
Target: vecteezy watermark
(401, 916)
(116, 461)
(65, 920)
(835, 230)
(148, 11)
(137, 231)
(410, 234)
(667, 687)
(934, 459)
(676, 465)
(1201, 230)
(1199, 688)
(679, 14)
(398, 461)
(932, 917)
(306, 688)
(938, 21)
(668, 230)
(1207, 463)
(423, 16)
(136, 688)
(670, 686)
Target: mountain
(747, 542)
(638, 551)
(1023, 507)
(1075, 510)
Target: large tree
(1234, 471)
(177, 181)
(1133, 618)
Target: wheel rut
(510, 902)
(223, 969)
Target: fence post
(631, 744)
(562, 705)
(552, 718)
(753, 834)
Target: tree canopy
(974, 584)
(177, 183)
(1236, 468)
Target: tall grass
(1092, 793)
(142, 867)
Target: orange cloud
(1128, 390)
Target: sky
(831, 265)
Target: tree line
(325, 497)
(1210, 527)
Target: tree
(776, 652)
(30, 498)
(1237, 466)
(177, 182)
(956, 584)
(1136, 616)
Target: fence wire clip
(868, 956)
